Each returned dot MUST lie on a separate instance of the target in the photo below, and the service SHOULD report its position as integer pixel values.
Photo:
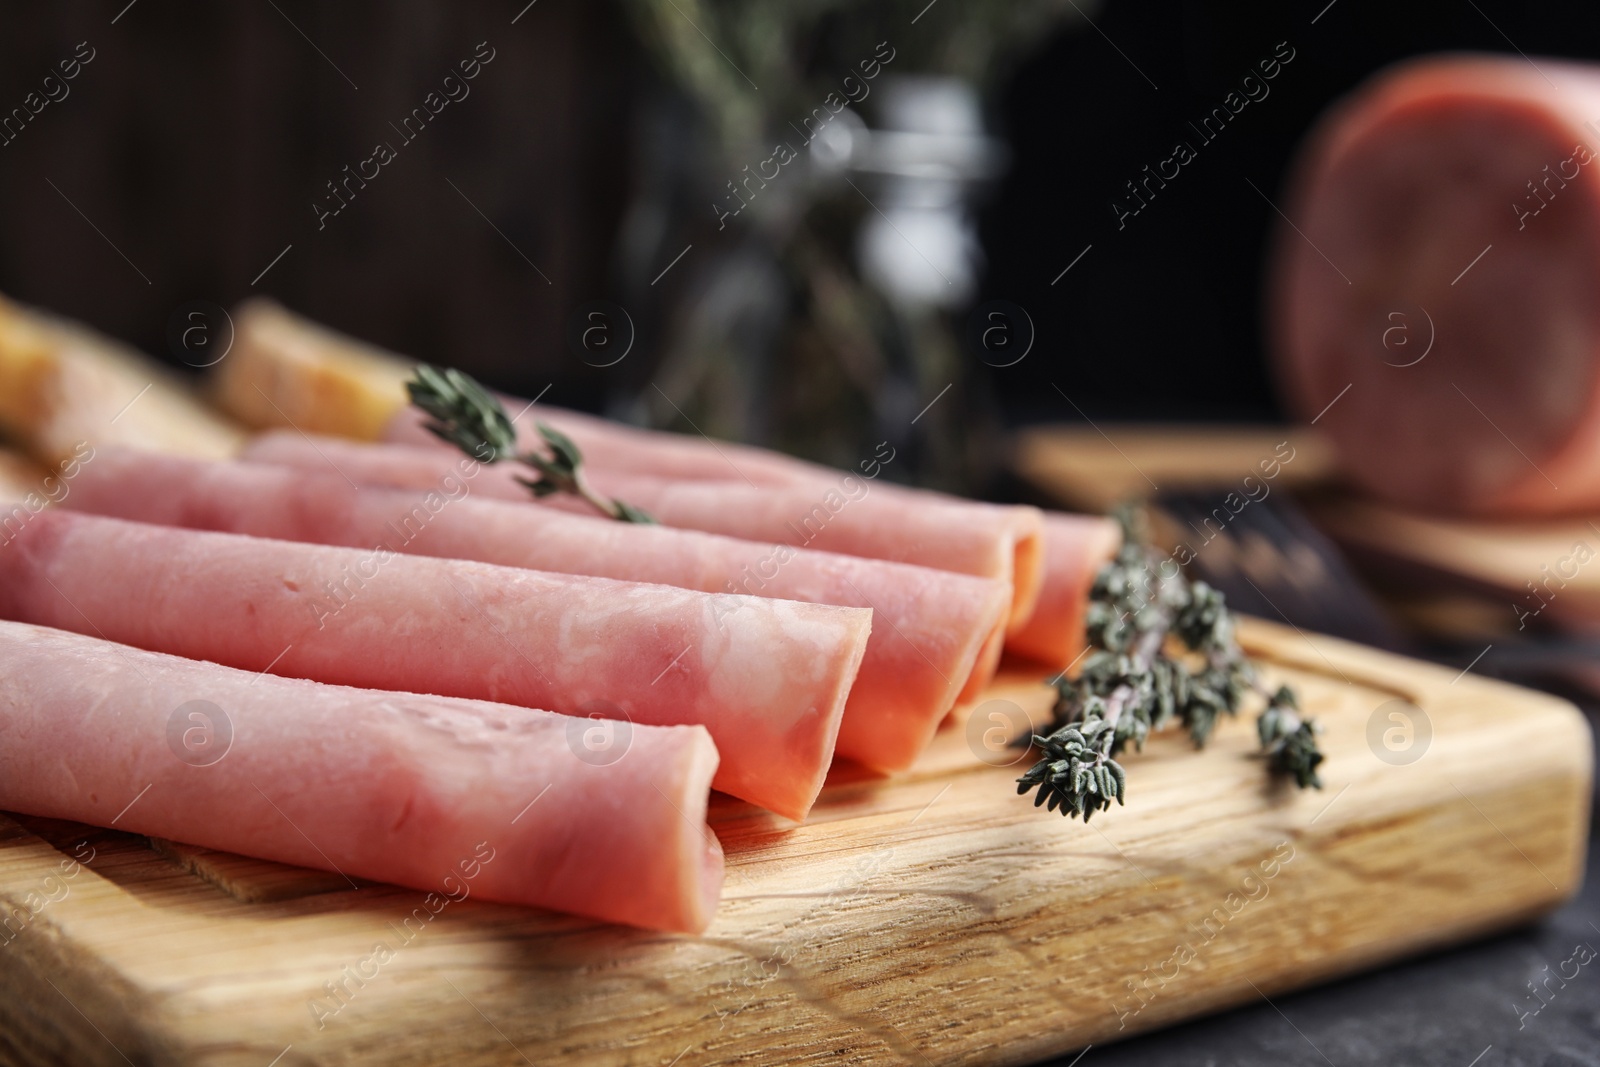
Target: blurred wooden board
(934, 918)
(1549, 567)
(1095, 468)
(1480, 567)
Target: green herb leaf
(541, 488)
(1077, 773)
(629, 513)
(566, 453)
(463, 413)
(1130, 684)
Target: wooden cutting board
(935, 918)
(1097, 467)
(1538, 571)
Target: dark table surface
(1458, 1008)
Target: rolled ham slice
(951, 537)
(1436, 306)
(767, 678)
(647, 461)
(883, 522)
(459, 798)
(614, 446)
(1076, 546)
(929, 629)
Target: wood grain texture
(1094, 469)
(1525, 565)
(933, 918)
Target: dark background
(201, 134)
(198, 138)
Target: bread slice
(285, 370)
(62, 385)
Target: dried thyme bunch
(1140, 606)
(465, 414)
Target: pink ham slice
(625, 454)
(954, 536)
(767, 678)
(608, 445)
(1437, 305)
(457, 798)
(928, 629)
(1076, 546)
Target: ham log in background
(458, 798)
(767, 678)
(1437, 299)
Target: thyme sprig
(1141, 610)
(465, 414)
